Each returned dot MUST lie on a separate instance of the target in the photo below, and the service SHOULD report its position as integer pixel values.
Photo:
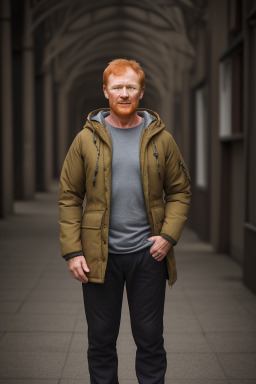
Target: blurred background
(199, 58)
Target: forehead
(130, 76)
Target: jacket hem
(95, 280)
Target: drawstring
(156, 156)
(184, 170)
(96, 168)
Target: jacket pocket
(91, 241)
(158, 218)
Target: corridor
(210, 316)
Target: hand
(77, 267)
(160, 247)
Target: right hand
(77, 267)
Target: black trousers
(145, 280)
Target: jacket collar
(93, 123)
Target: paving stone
(20, 273)
(36, 342)
(15, 283)
(79, 342)
(181, 323)
(232, 342)
(201, 294)
(209, 381)
(28, 381)
(66, 283)
(28, 365)
(54, 295)
(10, 306)
(177, 294)
(46, 307)
(81, 324)
(239, 365)
(179, 366)
(13, 295)
(218, 307)
(24, 323)
(76, 367)
(250, 306)
(179, 308)
(70, 381)
(228, 323)
(193, 366)
(187, 342)
(4, 320)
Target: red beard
(127, 110)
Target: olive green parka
(86, 173)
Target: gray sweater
(129, 226)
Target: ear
(142, 92)
(105, 91)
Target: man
(123, 160)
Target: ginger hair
(118, 68)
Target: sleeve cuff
(73, 254)
(169, 238)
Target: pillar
(62, 128)
(28, 106)
(6, 123)
(48, 129)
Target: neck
(123, 121)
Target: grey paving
(209, 321)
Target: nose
(124, 92)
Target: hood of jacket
(96, 119)
(102, 114)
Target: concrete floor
(210, 317)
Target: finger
(85, 266)
(76, 275)
(154, 249)
(81, 275)
(159, 258)
(156, 256)
(82, 279)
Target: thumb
(85, 266)
(153, 238)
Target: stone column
(62, 130)
(6, 122)
(28, 106)
(48, 129)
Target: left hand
(160, 247)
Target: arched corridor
(199, 57)
(199, 60)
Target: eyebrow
(123, 85)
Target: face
(124, 92)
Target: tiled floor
(209, 323)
